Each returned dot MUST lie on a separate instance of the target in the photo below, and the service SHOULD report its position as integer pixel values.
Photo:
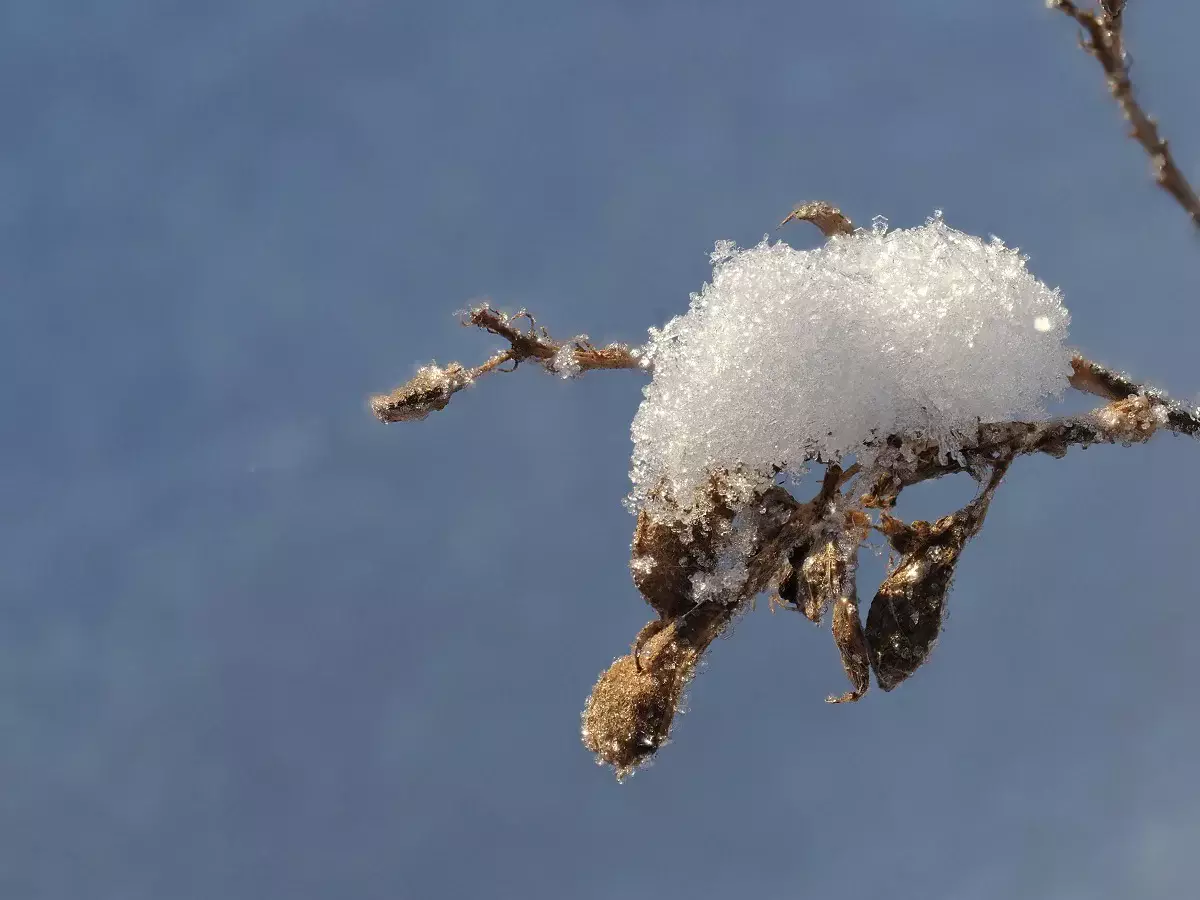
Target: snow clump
(789, 355)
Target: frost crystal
(790, 354)
(564, 364)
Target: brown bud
(906, 615)
(1132, 420)
(829, 574)
(629, 713)
(856, 657)
(427, 391)
(822, 576)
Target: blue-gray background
(254, 644)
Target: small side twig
(1103, 39)
(1093, 378)
(433, 386)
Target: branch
(1093, 378)
(1133, 419)
(1104, 40)
(433, 386)
(630, 712)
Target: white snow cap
(789, 353)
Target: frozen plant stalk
(889, 358)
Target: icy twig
(1093, 378)
(431, 388)
(1134, 419)
(1104, 40)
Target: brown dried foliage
(808, 551)
(906, 615)
(629, 713)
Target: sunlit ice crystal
(789, 354)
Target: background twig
(1104, 40)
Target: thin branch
(433, 386)
(1093, 378)
(1134, 419)
(1105, 41)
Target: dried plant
(700, 556)
(1104, 39)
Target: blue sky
(254, 644)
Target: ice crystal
(565, 364)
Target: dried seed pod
(629, 714)
(789, 585)
(667, 552)
(829, 573)
(630, 711)
(663, 564)
(909, 608)
(427, 391)
(822, 576)
(852, 642)
(906, 615)
(1132, 420)
(789, 592)
(883, 492)
(830, 578)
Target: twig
(1104, 40)
(433, 386)
(1093, 378)
(1134, 419)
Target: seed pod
(427, 391)
(829, 577)
(629, 714)
(630, 711)
(822, 575)
(666, 552)
(789, 591)
(1132, 420)
(662, 565)
(789, 585)
(856, 657)
(907, 613)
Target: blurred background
(254, 644)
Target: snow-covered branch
(890, 357)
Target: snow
(789, 355)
